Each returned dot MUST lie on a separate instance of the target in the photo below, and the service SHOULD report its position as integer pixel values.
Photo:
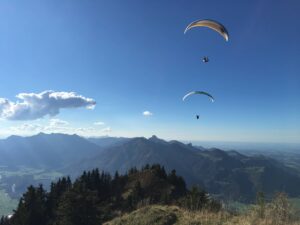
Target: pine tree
(31, 208)
(56, 191)
(78, 208)
(179, 184)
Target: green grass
(7, 205)
(295, 202)
(159, 215)
(237, 207)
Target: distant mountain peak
(42, 134)
(45, 150)
(155, 139)
(13, 137)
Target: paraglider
(205, 59)
(198, 93)
(219, 28)
(214, 25)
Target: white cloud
(106, 130)
(99, 123)
(55, 126)
(34, 106)
(84, 130)
(147, 113)
(27, 128)
(57, 123)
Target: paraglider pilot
(205, 59)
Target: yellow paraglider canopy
(214, 25)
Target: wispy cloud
(56, 126)
(26, 128)
(107, 130)
(99, 123)
(58, 122)
(147, 113)
(37, 105)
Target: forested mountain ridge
(96, 197)
(225, 174)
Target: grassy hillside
(167, 215)
(174, 215)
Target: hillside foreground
(140, 197)
(276, 213)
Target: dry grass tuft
(278, 212)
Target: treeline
(96, 197)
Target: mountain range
(227, 174)
(45, 150)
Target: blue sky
(132, 56)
